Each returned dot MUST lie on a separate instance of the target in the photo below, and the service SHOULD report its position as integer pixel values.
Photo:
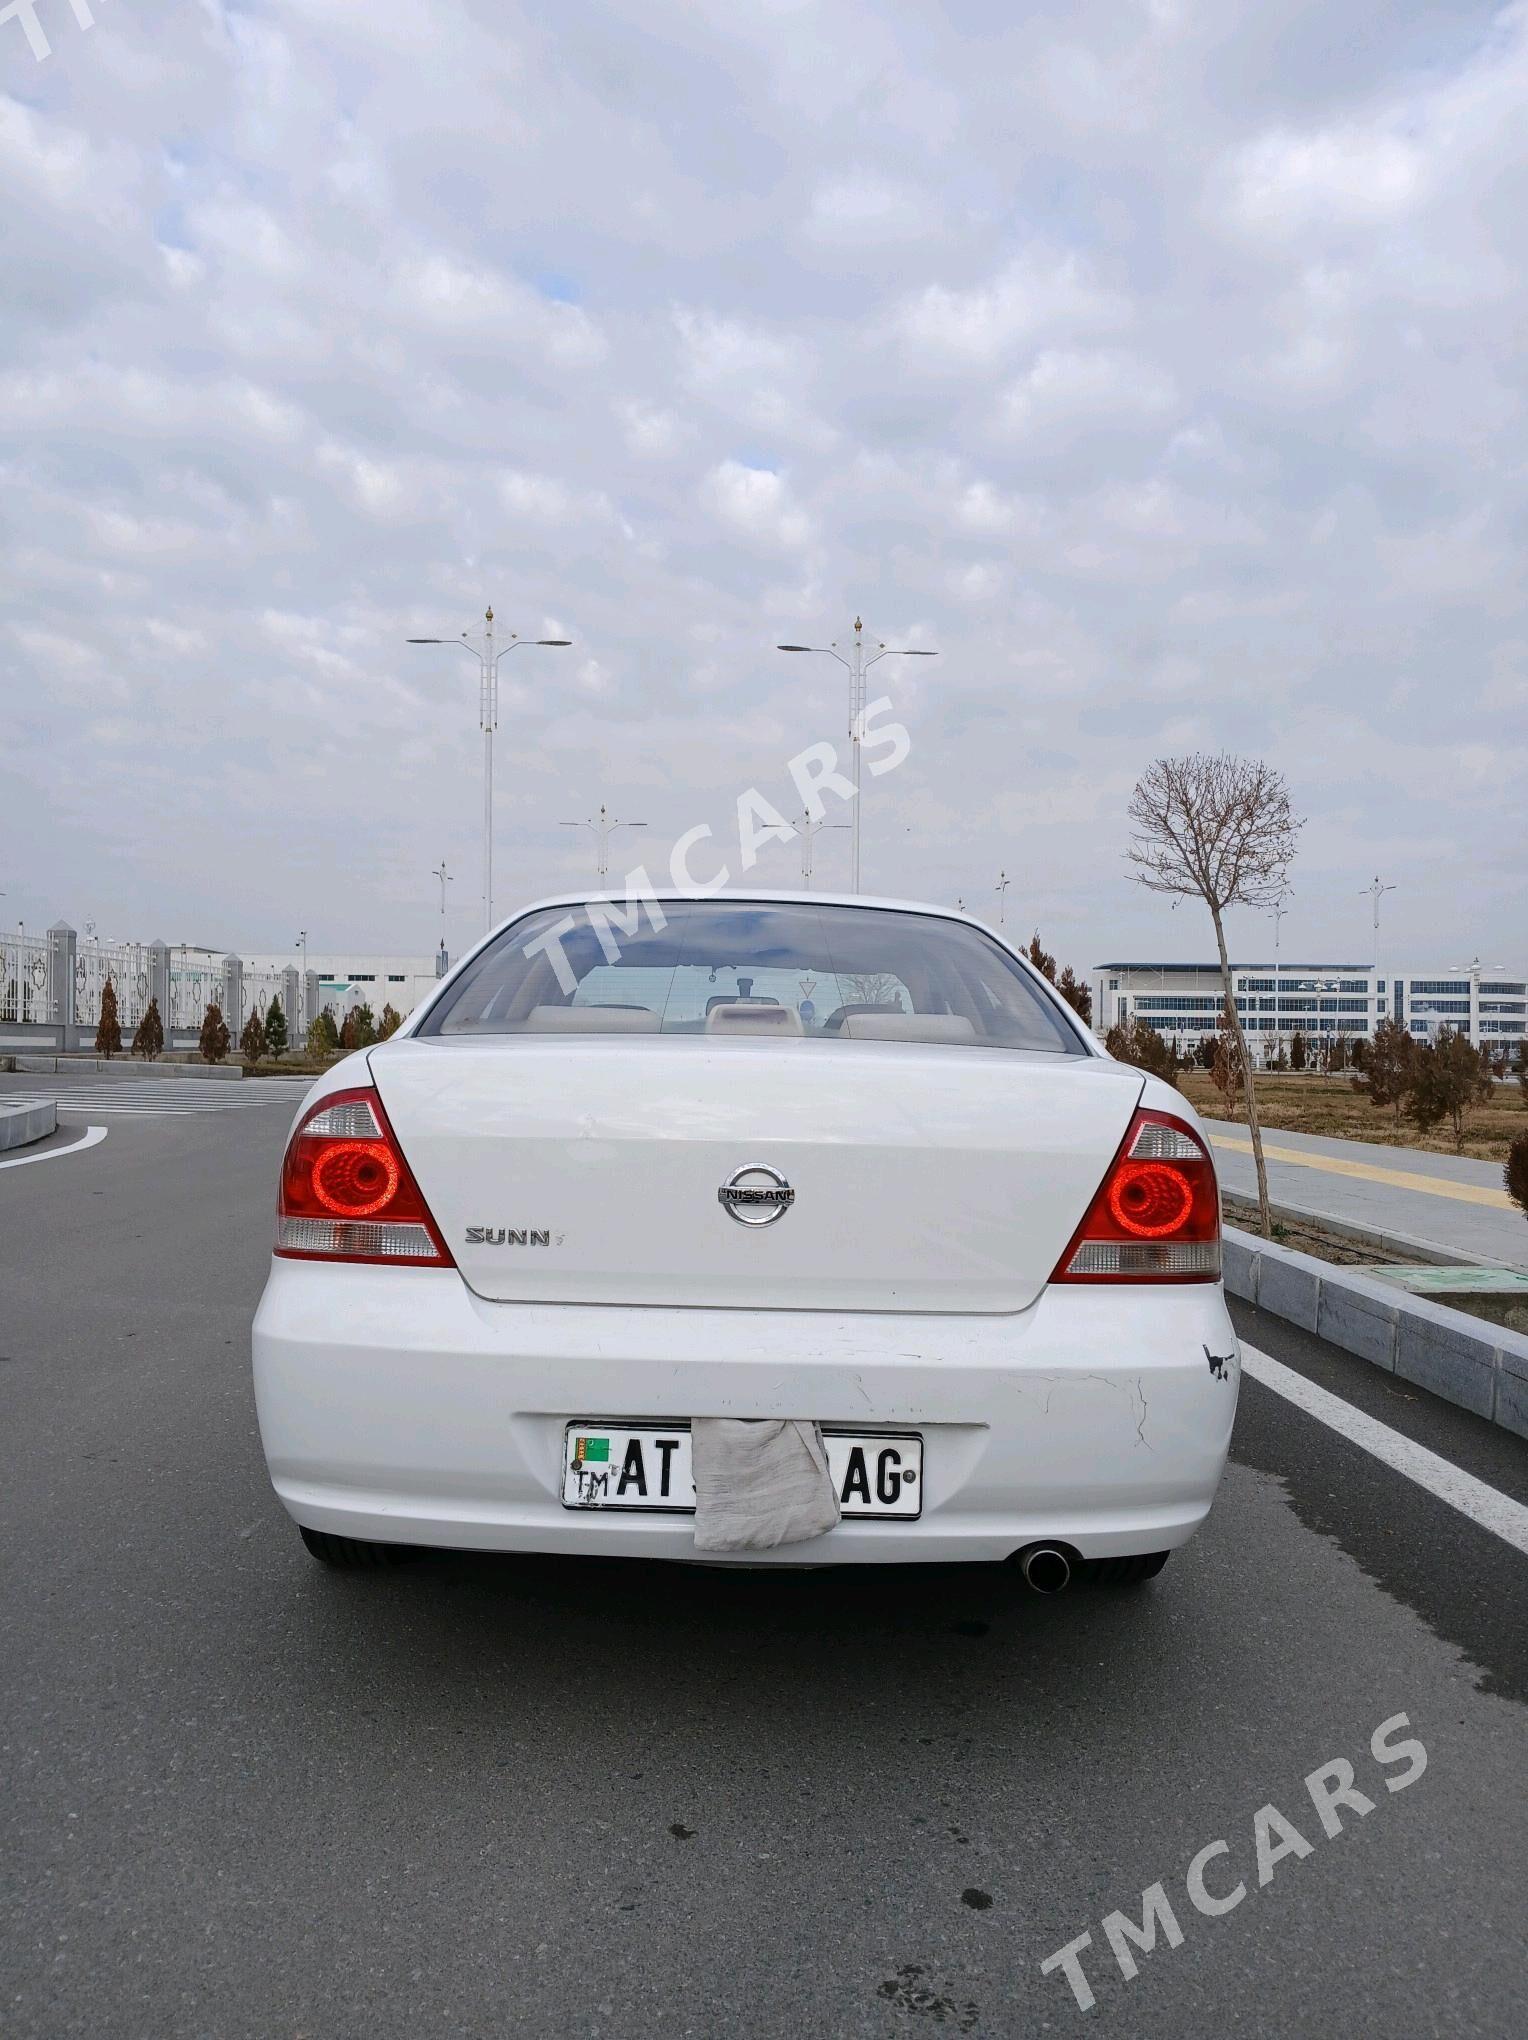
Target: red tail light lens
(347, 1193)
(1156, 1217)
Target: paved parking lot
(245, 1797)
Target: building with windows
(1275, 1000)
(346, 978)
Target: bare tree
(1220, 829)
(1228, 1069)
(874, 988)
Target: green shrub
(323, 1036)
(275, 1029)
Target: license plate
(647, 1466)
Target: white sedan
(851, 1164)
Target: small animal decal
(1219, 1363)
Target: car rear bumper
(397, 1406)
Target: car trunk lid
(586, 1170)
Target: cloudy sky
(1160, 361)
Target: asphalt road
(242, 1796)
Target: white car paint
(937, 1187)
(926, 1178)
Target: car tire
(352, 1554)
(1128, 1572)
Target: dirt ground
(1330, 1105)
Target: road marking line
(94, 1135)
(1483, 1504)
(1403, 1179)
(178, 1098)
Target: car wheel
(352, 1554)
(1128, 1572)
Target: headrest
(753, 1016)
(591, 1020)
(909, 1027)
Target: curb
(129, 1068)
(27, 1120)
(1468, 1361)
(1383, 1245)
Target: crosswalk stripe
(172, 1098)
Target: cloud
(545, 501)
(756, 504)
(1160, 364)
(650, 431)
(863, 210)
(1071, 388)
(1041, 290)
(1286, 183)
(468, 298)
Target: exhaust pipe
(1045, 1569)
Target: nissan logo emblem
(756, 1194)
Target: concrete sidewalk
(1449, 1201)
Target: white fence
(127, 966)
(52, 985)
(196, 982)
(260, 987)
(23, 977)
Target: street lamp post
(807, 829)
(1278, 910)
(1376, 892)
(445, 879)
(604, 828)
(857, 666)
(1003, 883)
(302, 1004)
(481, 646)
(1473, 971)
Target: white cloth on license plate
(759, 1482)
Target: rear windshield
(786, 969)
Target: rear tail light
(1156, 1217)
(347, 1194)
